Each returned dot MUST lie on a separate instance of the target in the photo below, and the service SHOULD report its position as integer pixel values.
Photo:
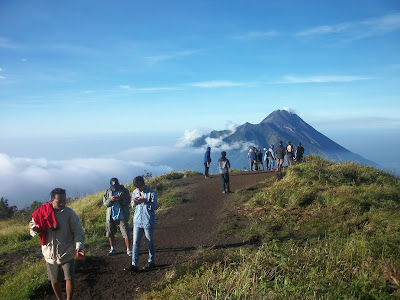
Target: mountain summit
(280, 125)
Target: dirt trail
(179, 232)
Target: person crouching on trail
(224, 165)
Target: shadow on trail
(214, 247)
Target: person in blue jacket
(144, 201)
(253, 159)
(207, 161)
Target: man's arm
(106, 199)
(125, 197)
(77, 231)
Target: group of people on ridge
(62, 236)
(272, 156)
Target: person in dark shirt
(280, 156)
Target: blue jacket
(144, 216)
(253, 156)
(207, 155)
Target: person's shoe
(228, 191)
(112, 252)
(149, 266)
(129, 252)
(223, 192)
(131, 268)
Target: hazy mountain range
(280, 125)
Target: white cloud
(257, 35)
(179, 54)
(357, 30)
(288, 109)
(5, 43)
(189, 137)
(150, 89)
(24, 59)
(2, 77)
(323, 79)
(24, 180)
(216, 84)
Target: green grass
(323, 231)
(22, 279)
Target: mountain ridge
(280, 125)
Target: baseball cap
(114, 183)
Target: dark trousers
(206, 170)
(225, 181)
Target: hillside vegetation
(22, 267)
(323, 230)
(318, 230)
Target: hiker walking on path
(62, 239)
(299, 153)
(224, 165)
(207, 161)
(117, 199)
(290, 153)
(253, 159)
(272, 157)
(144, 201)
(260, 160)
(280, 156)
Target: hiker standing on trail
(272, 157)
(207, 161)
(266, 158)
(62, 239)
(299, 153)
(117, 199)
(290, 153)
(224, 165)
(260, 160)
(249, 157)
(280, 155)
(253, 159)
(144, 201)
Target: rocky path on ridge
(179, 232)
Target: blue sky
(73, 69)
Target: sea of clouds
(24, 180)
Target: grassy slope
(22, 268)
(324, 230)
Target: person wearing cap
(117, 199)
(272, 157)
(61, 242)
(144, 201)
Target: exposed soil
(179, 233)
